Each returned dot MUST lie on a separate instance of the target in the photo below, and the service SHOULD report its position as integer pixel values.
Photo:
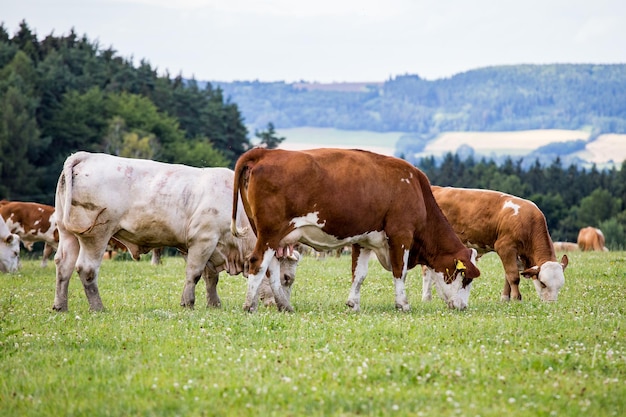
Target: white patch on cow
(407, 180)
(309, 230)
(310, 219)
(36, 222)
(552, 277)
(510, 204)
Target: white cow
(145, 205)
(9, 249)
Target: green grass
(146, 356)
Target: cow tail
(66, 182)
(241, 172)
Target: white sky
(334, 40)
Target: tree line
(65, 93)
(570, 197)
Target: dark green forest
(66, 93)
(503, 98)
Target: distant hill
(584, 98)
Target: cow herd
(251, 220)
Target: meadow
(147, 356)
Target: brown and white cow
(329, 198)
(9, 249)
(32, 222)
(591, 239)
(514, 228)
(145, 205)
(566, 247)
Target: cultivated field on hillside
(609, 147)
(606, 148)
(146, 356)
(511, 143)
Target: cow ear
(531, 272)
(564, 262)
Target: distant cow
(32, 222)
(330, 198)
(145, 205)
(512, 227)
(9, 249)
(591, 239)
(566, 247)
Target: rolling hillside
(576, 112)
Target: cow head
(288, 266)
(548, 278)
(453, 286)
(10, 253)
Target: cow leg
(47, 251)
(88, 266)
(156, 256)
(65, 260)
(399, 255)
(427, 285)
(282, 302)
(508, 256)
(360, 259)
(254, 279)
(211, 278)
(197, 257)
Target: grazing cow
(32, 222)
(329, 198)
(145, 205)
(512, 227)
(9, 249)
(591, 239)
(565, 247)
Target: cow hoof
(505, 298)
(60, 309)
(286, 309)
(403, 307)
(248, 308)
(353, 305)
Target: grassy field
(146, 356)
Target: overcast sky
(334, 40)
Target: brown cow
(512, 227)
(566, 247)
(591, 239)
(32, 222)
(329, 198)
